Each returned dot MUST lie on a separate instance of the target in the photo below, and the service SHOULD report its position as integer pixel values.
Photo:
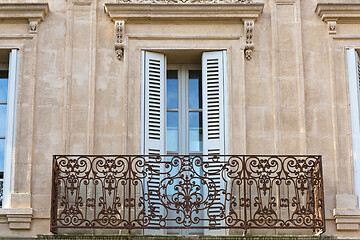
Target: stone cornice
(32, 12)
(339, 12)
(25, 11)
(124, 11)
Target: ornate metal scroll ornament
(211, 192)
(119, 39)
(249, 43)
(185, 1)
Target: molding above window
(125, 11)
(32, 12)
(119, 13)
(334, 13)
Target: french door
(183, 110)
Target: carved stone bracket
(249, 42)
(33, 25)
(332, 27)
(119, 38)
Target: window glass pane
(195, 100)
(195, 132)
(3, 89)
(172, 89)
(2, 154)
(172, 131)
(2, 120)
(4, 73)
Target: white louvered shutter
(213, 71)
(154, 128)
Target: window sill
(347, 219)
(18, 218)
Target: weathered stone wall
(76, 97)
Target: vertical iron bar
(129, 217)
(54, 202)
(322, 194)
(245, 195)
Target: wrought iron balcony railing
(212, 192)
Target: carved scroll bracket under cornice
(33, 25)
(335, 13)
(34, 13)
(249, 42)
(119, 38)
(132, 10)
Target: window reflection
(195, 132)
(2, 120)
(172, 89)
(195, 100)
(172, 131)
(3, 89)
(2, 155)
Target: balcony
(191, 192)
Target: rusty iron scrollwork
(209, 192)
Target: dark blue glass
(195, 91)
(172, 89)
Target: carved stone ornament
(249, 43)
(332, 27)
(119, 39)
(33, 25)
(185, 1)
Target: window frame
(183, 105)
(13, 74)
(354, 100)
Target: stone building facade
(292, 88)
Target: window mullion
(183, 104)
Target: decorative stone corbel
(119, 38)
(33, 25)
(249, 43)
(331, 26)
(338, 13)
